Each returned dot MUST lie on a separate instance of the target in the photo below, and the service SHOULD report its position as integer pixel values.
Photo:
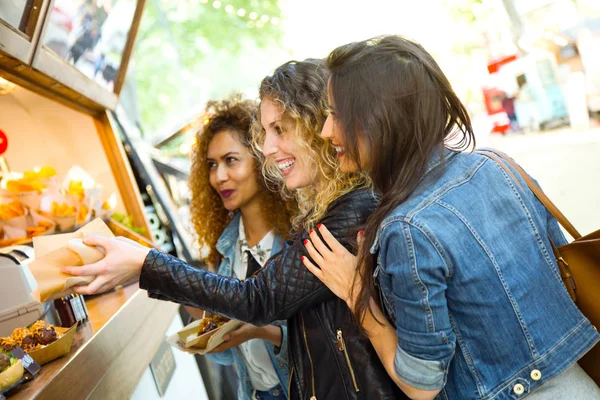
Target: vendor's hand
(336, 267)
(122, 264)
(234, 338)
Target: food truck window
(90, 36)
(20, 15)
(20, 25)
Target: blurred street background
(527, 70)
(567, 166)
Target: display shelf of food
(57, 117)
(110, 351)
(41, 132)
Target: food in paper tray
(25, 185)
(7, 344)
(35, 204)
(11, 210)
(62, 209)
(11, 370)
(43, 333)
(40, 334)
(202, 336)
(82, 214)
(42, 341)
(76, 189)
(22, 337)
(210, 323)
(45, 172)
(39, 229)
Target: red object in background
(493, 97)
(3, 142)
(493, 100)
(493, 105)
(62, 18)
(494, 65)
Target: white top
(260, 368)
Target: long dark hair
(391, 93)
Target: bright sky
(315, 27)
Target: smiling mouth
(340, 150)
(285, 166)
(226, 193)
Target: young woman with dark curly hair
(240, 223)
(328, 356)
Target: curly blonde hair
(208, 214)
(301, 89)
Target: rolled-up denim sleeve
(418, 276)
(222, 358)
(282, 351)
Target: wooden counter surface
(110, 351)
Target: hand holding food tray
(57, 251)
(204, 335)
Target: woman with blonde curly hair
(329, 358)
(241, 224)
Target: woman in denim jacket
(227, 246)
(240, 223)
(458, 248)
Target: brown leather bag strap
(499, 161)
(533, 186)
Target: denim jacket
(466, 271)
(279, 355)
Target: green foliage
(175, 37)
(464, 10)
(470, 16)
(127, 221)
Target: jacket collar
(228, 240)
(438, 158)
(226, 243)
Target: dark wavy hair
(390, 92)
(209, 216)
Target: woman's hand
(246, 332)
(336, 267)
(121, 264)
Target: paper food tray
(204, 343)
(57, 348)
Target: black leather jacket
(329, 357)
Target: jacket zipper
(342, 347)
(312, 368)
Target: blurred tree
(475, 25)
(470, 17)
(177, 36)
